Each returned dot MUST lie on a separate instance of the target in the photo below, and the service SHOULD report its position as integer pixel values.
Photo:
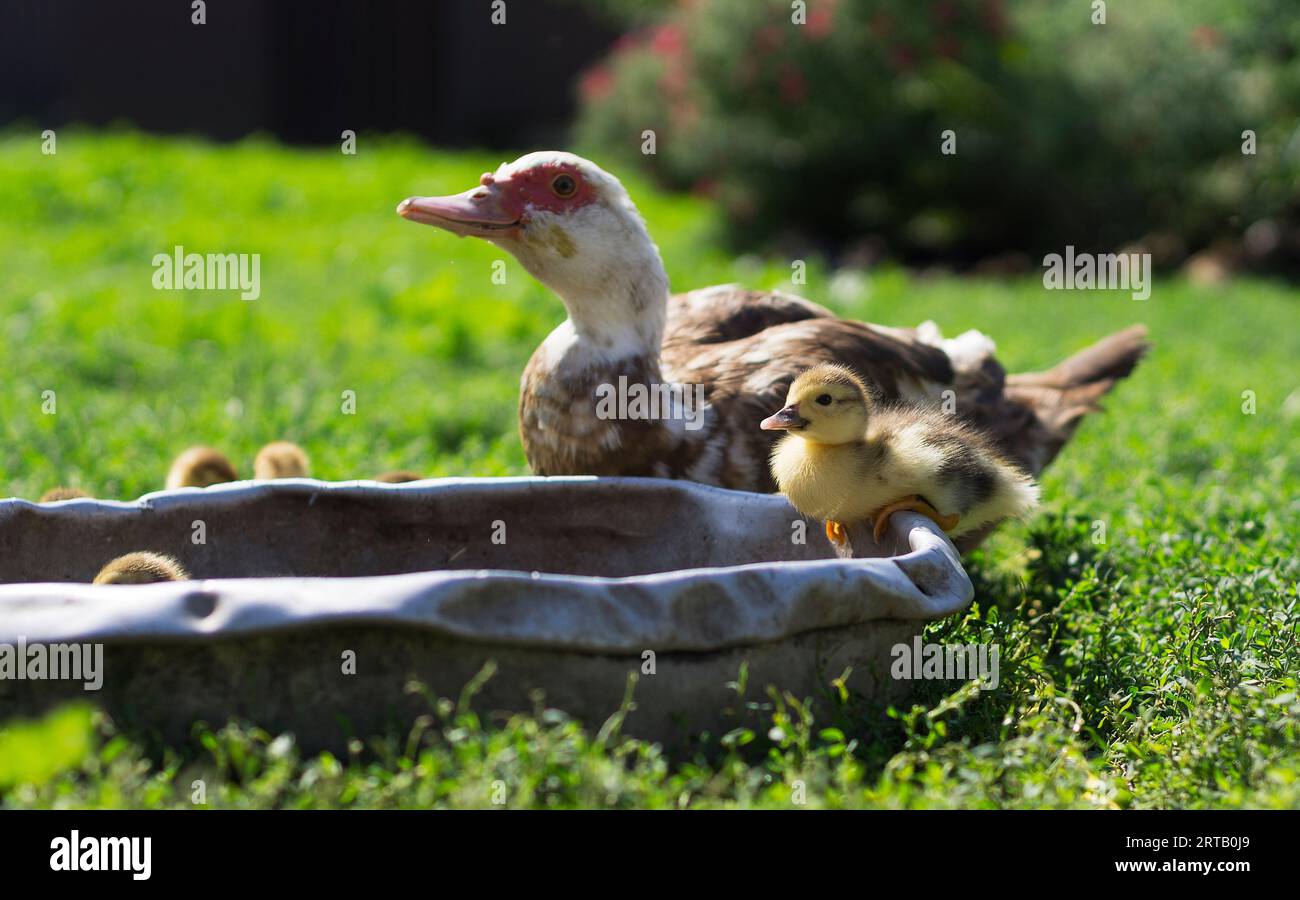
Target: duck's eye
(824, 400)
(564, 185)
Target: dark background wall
(303, 70)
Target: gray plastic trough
(567, 583)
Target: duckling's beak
(488, 210)
(786, 418)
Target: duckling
(200, 467)
(281, 459)
(62, 493)
(141, 568)
(401, 476)
(846, 460)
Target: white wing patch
(967, 351)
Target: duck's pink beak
(489, 210)
(786, 418)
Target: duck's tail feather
(1061, 396)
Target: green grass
(1154, 669)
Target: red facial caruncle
(554, 187)
(499, 206)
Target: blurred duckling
(55, 494)
(141, 568)
(200, 467)
(281, 459)
(846, 460)
(398, 477)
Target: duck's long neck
(615, 321)
(618, 321)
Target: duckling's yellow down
(843, 460)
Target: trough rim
(725, 606)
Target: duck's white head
(573, 227)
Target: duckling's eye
(824, 400)
(564, 186)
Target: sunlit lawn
(1156, 668)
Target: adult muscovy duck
(574, 228)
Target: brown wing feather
(729, 313)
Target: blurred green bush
(1066, 131)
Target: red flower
(902, 58)
(629, 40)
(1204, 37)
(792, 86)
(705, 187)
(768, 39)
(667, 40)
(820, 22)
(674, 80)
(597, 83)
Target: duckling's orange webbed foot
(912, 503)
(835, 533)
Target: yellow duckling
(281, 459)
(62, 493)
(846, 460)
(200, 467)
(141, 568)
(400, 476)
